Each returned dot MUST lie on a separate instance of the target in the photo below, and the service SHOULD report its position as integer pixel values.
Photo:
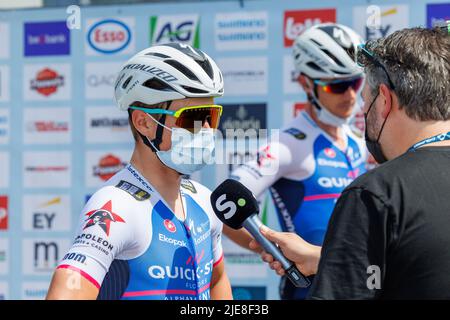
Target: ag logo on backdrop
(175, 28)
(110, 36)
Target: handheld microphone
(236, 207)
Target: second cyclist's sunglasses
(191, 118)
(339, 86)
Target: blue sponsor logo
(437, 14)
(109, 36)
(46, 39)
(249, 293)
(244, 116)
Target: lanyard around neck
(436, 138)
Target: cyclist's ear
(144, 124)
(305, 83)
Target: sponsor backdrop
(61, 136)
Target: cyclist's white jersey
(131, 245)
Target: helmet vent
(332, 56)
(157, 84)
(206, 66)
(314, 66)
(188, 73)
(126, 82)
(193, 90)
(156, 54)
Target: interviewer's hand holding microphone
(236, 207)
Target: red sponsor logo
(3, 212)
(330, 153)
(296, 22)
(264, 155)
(298, 107)
(108, 166)
(47, 82)
(49, 126)
(170, 226)
(102, 217)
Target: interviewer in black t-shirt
(389, 234)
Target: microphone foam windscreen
(233, 203)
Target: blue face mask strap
(154, 145)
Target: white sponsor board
(102, 165)
(50, 169)
(4, 126)
(4, 83)
(107, 125)
(47, 82)
(4, 40)
(4, 170)
(4, 256)
(110, 36)
(34, 290)
(241, 30)
(244, 75)
(47, 125)
(40, 256)
(46, 212)
(373, 22)
(99, 79)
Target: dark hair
(417, 61)
(161, 105)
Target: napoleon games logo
(170, 226)
(263, 156)
(108, 166)
(175, 28)
(47, 82)
(109, 36)
(102, 217)
(296, 22)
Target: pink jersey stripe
(84, 274)
(157, 292)
(322, 196)
(218, 261)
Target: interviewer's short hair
(418, 63)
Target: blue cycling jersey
(131, 245)
(309, 172)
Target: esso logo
(170, 226)
(109, 36)
(330, 153)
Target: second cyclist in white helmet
(317, 154)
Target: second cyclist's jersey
(130, 244)
(310, 174)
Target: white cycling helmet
(167, 72)
(327, 50)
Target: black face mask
(374, 146)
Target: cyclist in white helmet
(317, 154)
(150, 233)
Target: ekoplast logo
(110, 36)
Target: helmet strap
(154, 145)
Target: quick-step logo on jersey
(178, 263)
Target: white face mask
(189, 152)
